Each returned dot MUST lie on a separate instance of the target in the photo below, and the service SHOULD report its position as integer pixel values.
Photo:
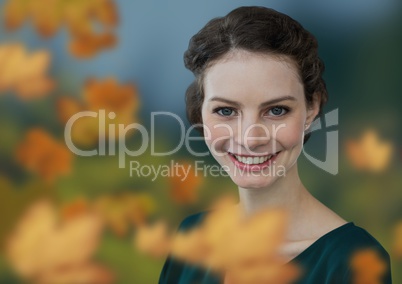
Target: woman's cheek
(290, 135)
(217, 136)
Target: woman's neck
(307, 217)
(287, 193)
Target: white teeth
(253, 160)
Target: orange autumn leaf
(42, 154)
(89, 22)
(15, 13)
(117, 103)
(67, 107)
(222, 202)
(24, 73)
(88, 45)
(369, 153)
(270, 224)
(153, 240)
(43, 249)
(191, 247)
(80, 16)
(85, 130)
(110, 95)
(197, 245)
(114, 214)
(249, 255)
(184, 183)
(47, 17)
(367, 267)
(140, 207)
(75, 208)
(265, 231)
(106, 12)
(122, 211)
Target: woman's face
(254, 115)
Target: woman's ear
(313, 109)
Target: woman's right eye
(225, 111)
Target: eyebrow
(270, 102)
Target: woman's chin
(252, 182)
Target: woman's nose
(253, 134)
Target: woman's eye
(225, 111)
(278, 111)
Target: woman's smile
(253, 163)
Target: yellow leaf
(369, 153)
(191, 247)
(89, 22)
(153, 240)
(122, 211)
(43, 246)
(269, 272)
(47, 17)
(246, 249)
(15, 12)
(24, 73)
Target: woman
(258, 87)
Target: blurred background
(60, 57)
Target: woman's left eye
(225, 111)
(278, 111)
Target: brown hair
(260, 30)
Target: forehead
(252, 75)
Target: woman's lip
(254, 167)
(253, 156)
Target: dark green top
(326, 261)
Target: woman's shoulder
(344, 241)
(354, 240)
(352, 237)
(334, 255)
